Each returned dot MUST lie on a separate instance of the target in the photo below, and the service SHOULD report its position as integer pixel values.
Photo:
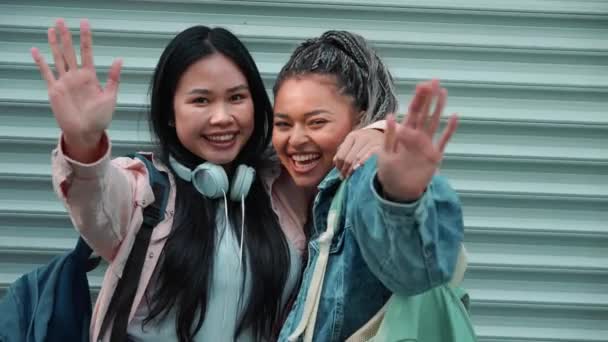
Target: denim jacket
(380, 247)
(51, 303)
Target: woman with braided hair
(393, 226)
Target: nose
(221, 116)
(298, 136)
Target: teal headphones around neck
(211, 180)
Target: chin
(220, 158)
(306, 181)
(217, 159)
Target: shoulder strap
(122, 299)
(306, 325)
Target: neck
(309, 194)
(300, 195)
(229, 169)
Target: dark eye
(200, 100)
(237, 97)
(281, 124)
(318, 122)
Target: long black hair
(188, 256)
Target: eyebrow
(199, 91)
(238, 88)
(202, 91)
(306, 115)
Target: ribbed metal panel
(530, 159)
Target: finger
(352, 158)
(436, 118)
(113, 78)
(389, 135)
(349, 172)
(448, 132)
(423, 93)
(415, 106)
(418, 100)
(57, 56)
(362, 157)
(66, 45)
(343, 151)
(45, 71)
(86, 45)
(427, 104)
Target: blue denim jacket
(51, 303)
(380, 247)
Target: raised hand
(82, 108)
(410, 158)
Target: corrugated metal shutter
(530, 160)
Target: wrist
(84, 148)
(408, 196)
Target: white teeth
(221, 138)
(305, 157)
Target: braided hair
(358, 71)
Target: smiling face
(214, 109)
(311, 119)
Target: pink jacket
(105, 201)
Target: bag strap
(82, 252)
(153, 214)
(306, 325)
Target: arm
(98, 196)
(410, 247)
(101, 196)
(412, 229)
(379, 125)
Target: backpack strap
(82, 252)
(122, 299)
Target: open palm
(82, 108)
(410, 158)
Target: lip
(303, 168)
(220, 133)
(221, 144)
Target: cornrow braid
(357, 69)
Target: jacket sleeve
(409, 247)
(379, 125)
(101, 197)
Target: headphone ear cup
(180, 170)
(210, 180)
(243, 179)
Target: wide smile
(222, 141)
(304, 162)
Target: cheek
(330, 142)
(278, 142)
(183, 136)
(186, 125)
(247, 115)
(183, 116)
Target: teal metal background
(530, 159)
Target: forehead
(215, 71)
(303, 93)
